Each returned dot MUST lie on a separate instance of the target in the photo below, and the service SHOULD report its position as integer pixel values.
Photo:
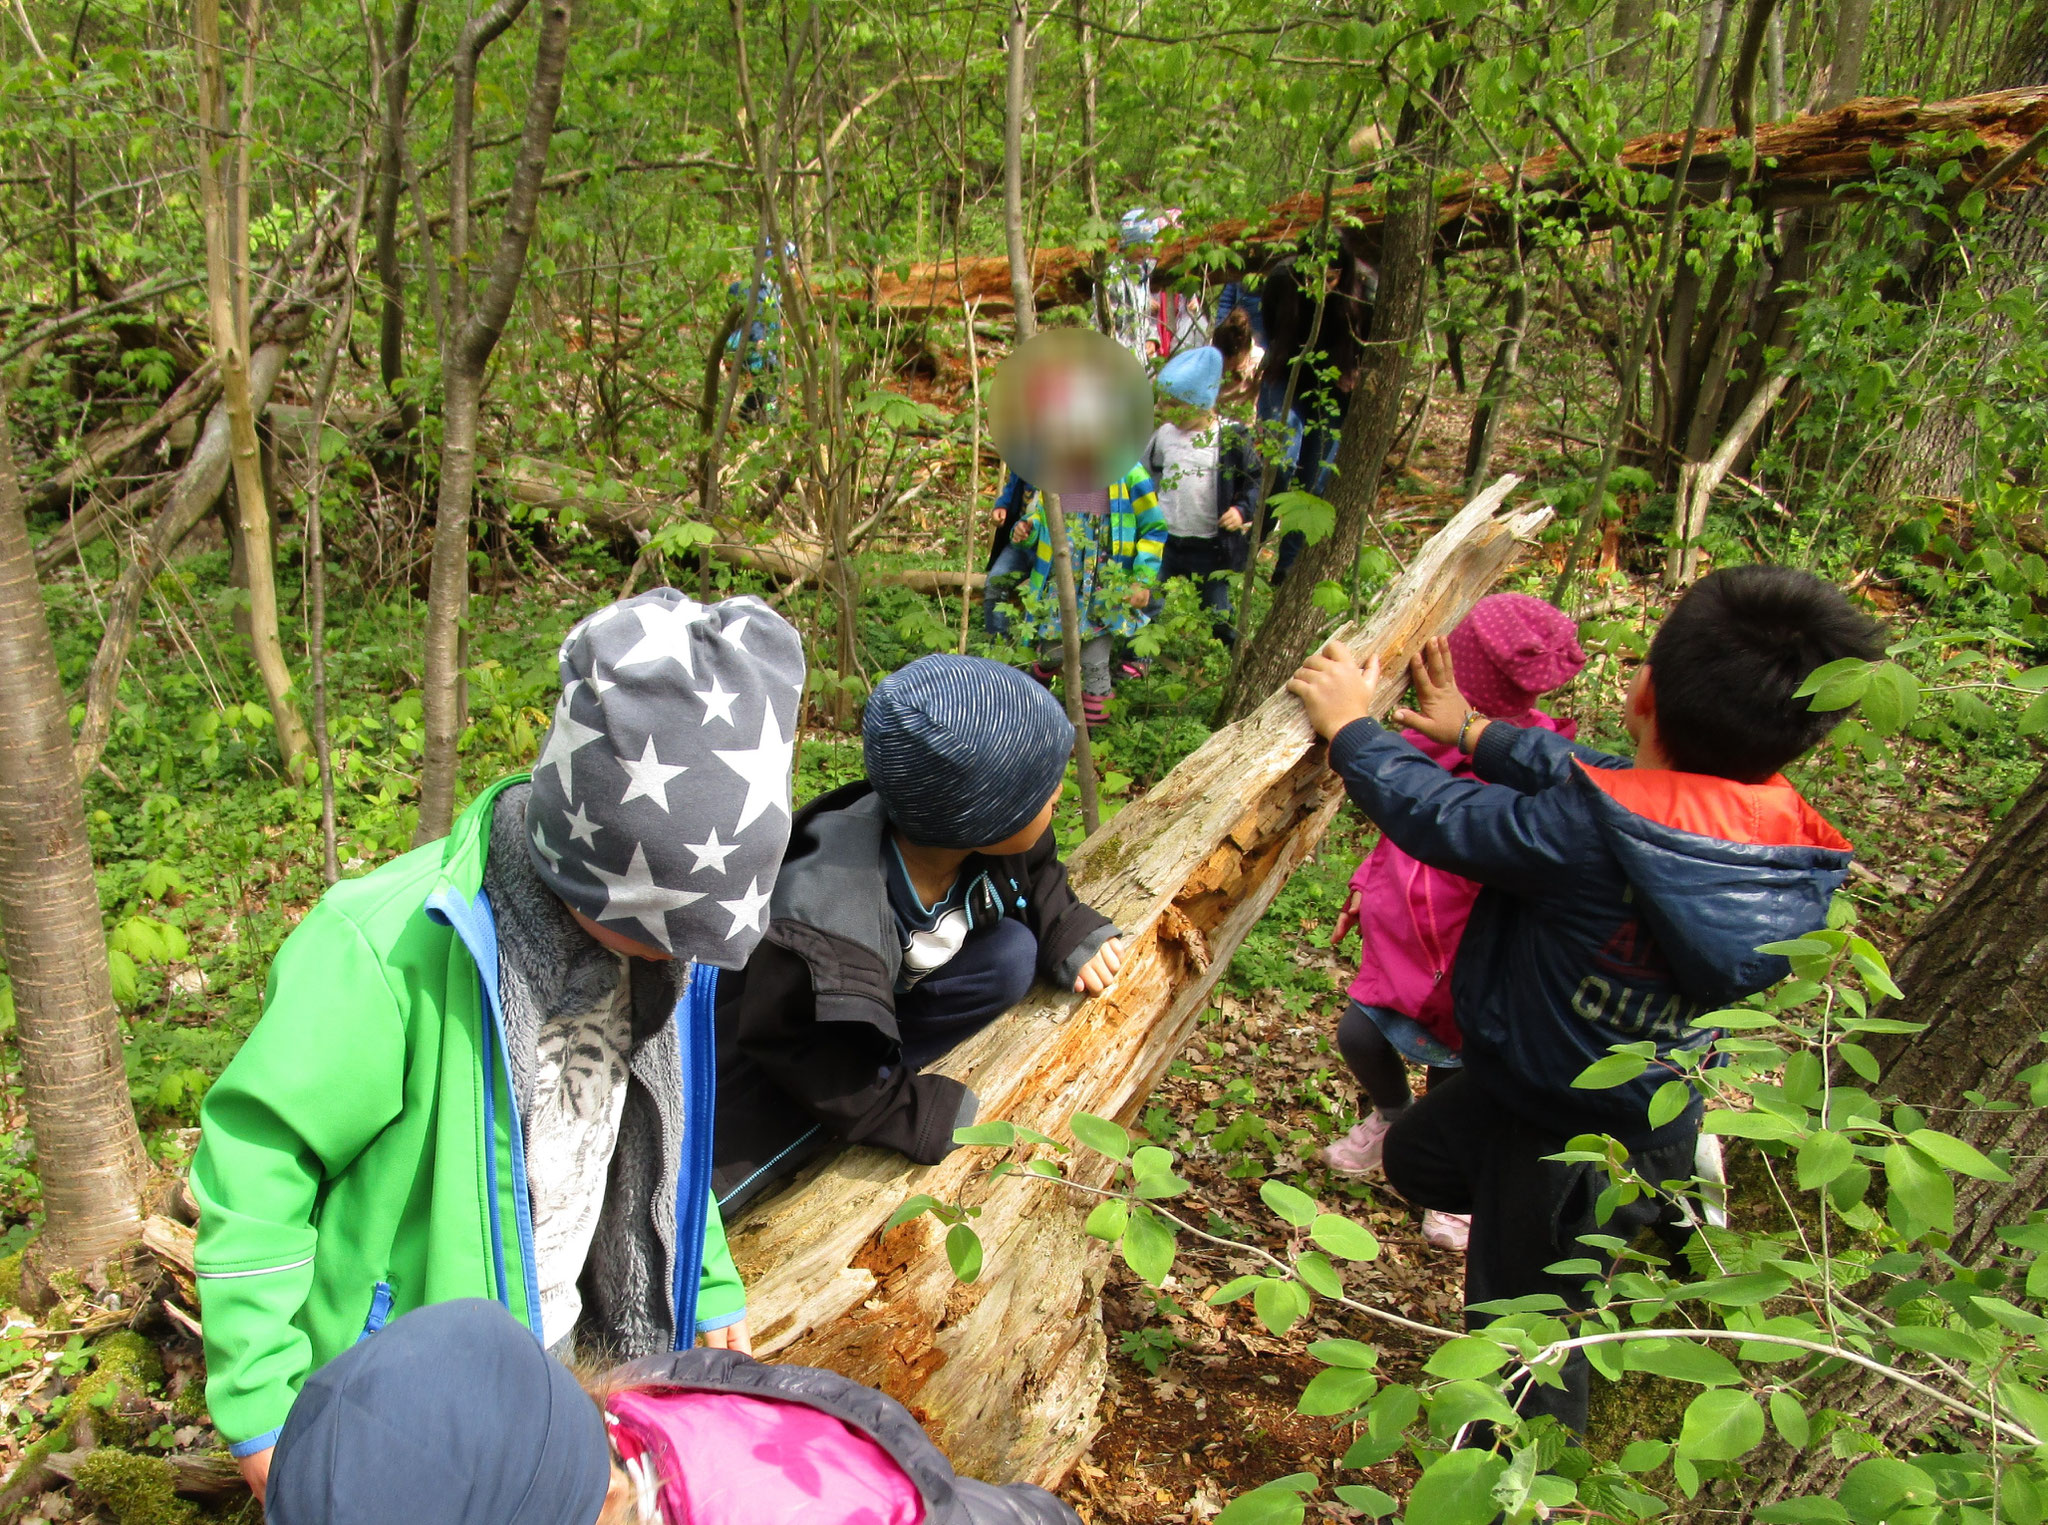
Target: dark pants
(1010, 566)
(1460, 1150)
(992, 972)
(1206, 563)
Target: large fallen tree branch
(1007, 1372)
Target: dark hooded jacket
(1619, 904)
(808, 1048)
(948, 1498)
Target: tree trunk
(1976, 972)
(74, 1079)
(394, 68)
(1006, 1373)
(471, 337)
(199, 486)
(1844, 79)
(1500, 379)
(1631, 36)
(225, 216)
(1371, 420)
(1015, 104)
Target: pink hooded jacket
(1411, 916)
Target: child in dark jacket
(1621, 902)
(1507, 652)
(913, 908)
(455, 1416)
(1207, 473)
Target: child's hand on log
(1440, 712)
(1099, 971)
(1346, 918)
(1334, 689)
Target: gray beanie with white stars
(660, 804)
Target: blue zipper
(697, 1044)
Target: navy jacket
(1619, 904)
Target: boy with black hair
(914, 907)
(1621, 902)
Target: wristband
(1463, 730)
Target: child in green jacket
(485, 1069)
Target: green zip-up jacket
(362, 1155)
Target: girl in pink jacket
(1507, 651)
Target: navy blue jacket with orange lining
(1619, 904)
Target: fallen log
(1007, 1372)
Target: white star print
(634, 896)
(717, 704)
(540, 845)
(650, 776)
(765, 767)
(746, 911)
(711, 852)
(735, 631)
(566, 738)
(664, 634)
(601, 685)
(582, 828)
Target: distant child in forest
(454, 1416)
(1116, 537)
(1208, 476)
(1509, 650)
(1624, 901)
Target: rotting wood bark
(1007, 1373)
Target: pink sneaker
(1447, 1231)
(1357, 1153)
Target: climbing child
(483, 1069)
(1115, 538)
(1207, 473)
(454, 1416)
(915, 906)
(1622, 902)
(1509, 650)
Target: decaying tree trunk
(1007, 1372)
(74, 1079)
(1976, 972)
(471, 336)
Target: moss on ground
(139, 1490)
(10, 1280)
(123, 1362)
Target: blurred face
(1025, 837)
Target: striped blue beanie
(963, 751)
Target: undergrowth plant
(1848, 1266)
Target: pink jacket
(1411, 917)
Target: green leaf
(1836, 685)
(1100, 1134)
(1672, 1098)
(996, 1134)
(1337, 1390)
(1921, 1195)
(1882, 1484)
(1759, 1125)
(2026, 1404)
(963, 1251)
(1721, 1424)
(1317, 1274)
(914, 1207)
(1469, 1356)
(1343, 1238)
(1231, 1291)
(1891, 699)
(1351, 1353)
(1148, 1246)
(1681, 1360)
(1789, 1420)
(1802, 1511)
(1367, 1500)
(1457, 1404)
(1276, 1503)
(1293, 1206)
(1644, 1455)
(1614, 1070)
(1279, 1304)
(1953, 1154)
(1107, 1221)
(2034, 718)
(1457, 1489)
(1743, 1290)
(1823, 1155)
(1936, 1340)
(1314, 517)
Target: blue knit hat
(963, 751)
(1194, 376)
(453, 1415)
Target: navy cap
(452, 1415)
(962, 750)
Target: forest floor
(206, 863)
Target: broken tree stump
(1007, 1372)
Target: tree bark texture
(394, 67)
(1371, 421)
(1015, 104)
(1976, 972)
(1845, 66)
(74, 1079)
(472, 335)
(1006, 1373)
(223, 192)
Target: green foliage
(138, 1490)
